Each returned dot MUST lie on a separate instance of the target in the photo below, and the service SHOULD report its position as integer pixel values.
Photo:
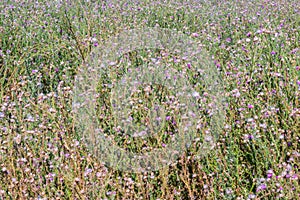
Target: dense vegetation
(255, 45)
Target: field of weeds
(253, 48)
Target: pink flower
(250, 106)
(195, 35)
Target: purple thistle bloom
(261, 187)
(87, 171)
(189, 65)
(295, 177)
(250, 106)
(287, 176)
(195, 35)
(270, 173)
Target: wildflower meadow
(158, 100)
